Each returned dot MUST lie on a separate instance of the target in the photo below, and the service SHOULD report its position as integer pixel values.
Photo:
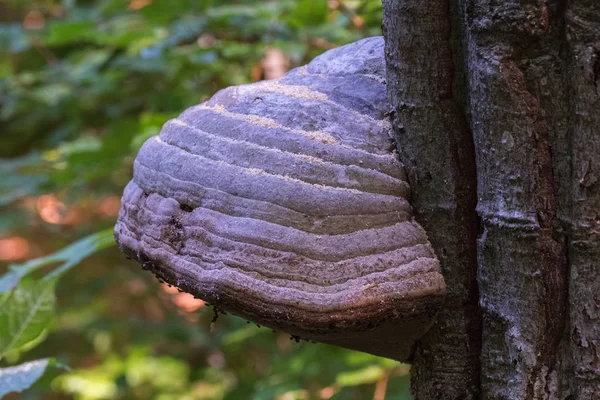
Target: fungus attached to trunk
(283, 202)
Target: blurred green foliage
(82, 84)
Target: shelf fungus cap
(284, 202)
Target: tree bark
(581, 194)
(522, 259)
(436, 148)
(523, 172)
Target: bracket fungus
(284, 202)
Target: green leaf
(369, 374)
(25, 315)
(21, 377)
(61, 33)
(69, 256)
(85, 64)
(239, 336)
(308, 13)
(52, 94)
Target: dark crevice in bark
(468, 203)
(596, 67)
(436, 147)
(553, 269)
(553, 252)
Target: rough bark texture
(532, 100)
(436, 148)
(580, 194)
(522, 259)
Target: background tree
(497, 113)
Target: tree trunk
(497, 117)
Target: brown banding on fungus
(284, 203)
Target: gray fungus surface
(284, 202)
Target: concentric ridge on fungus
(283, 202)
